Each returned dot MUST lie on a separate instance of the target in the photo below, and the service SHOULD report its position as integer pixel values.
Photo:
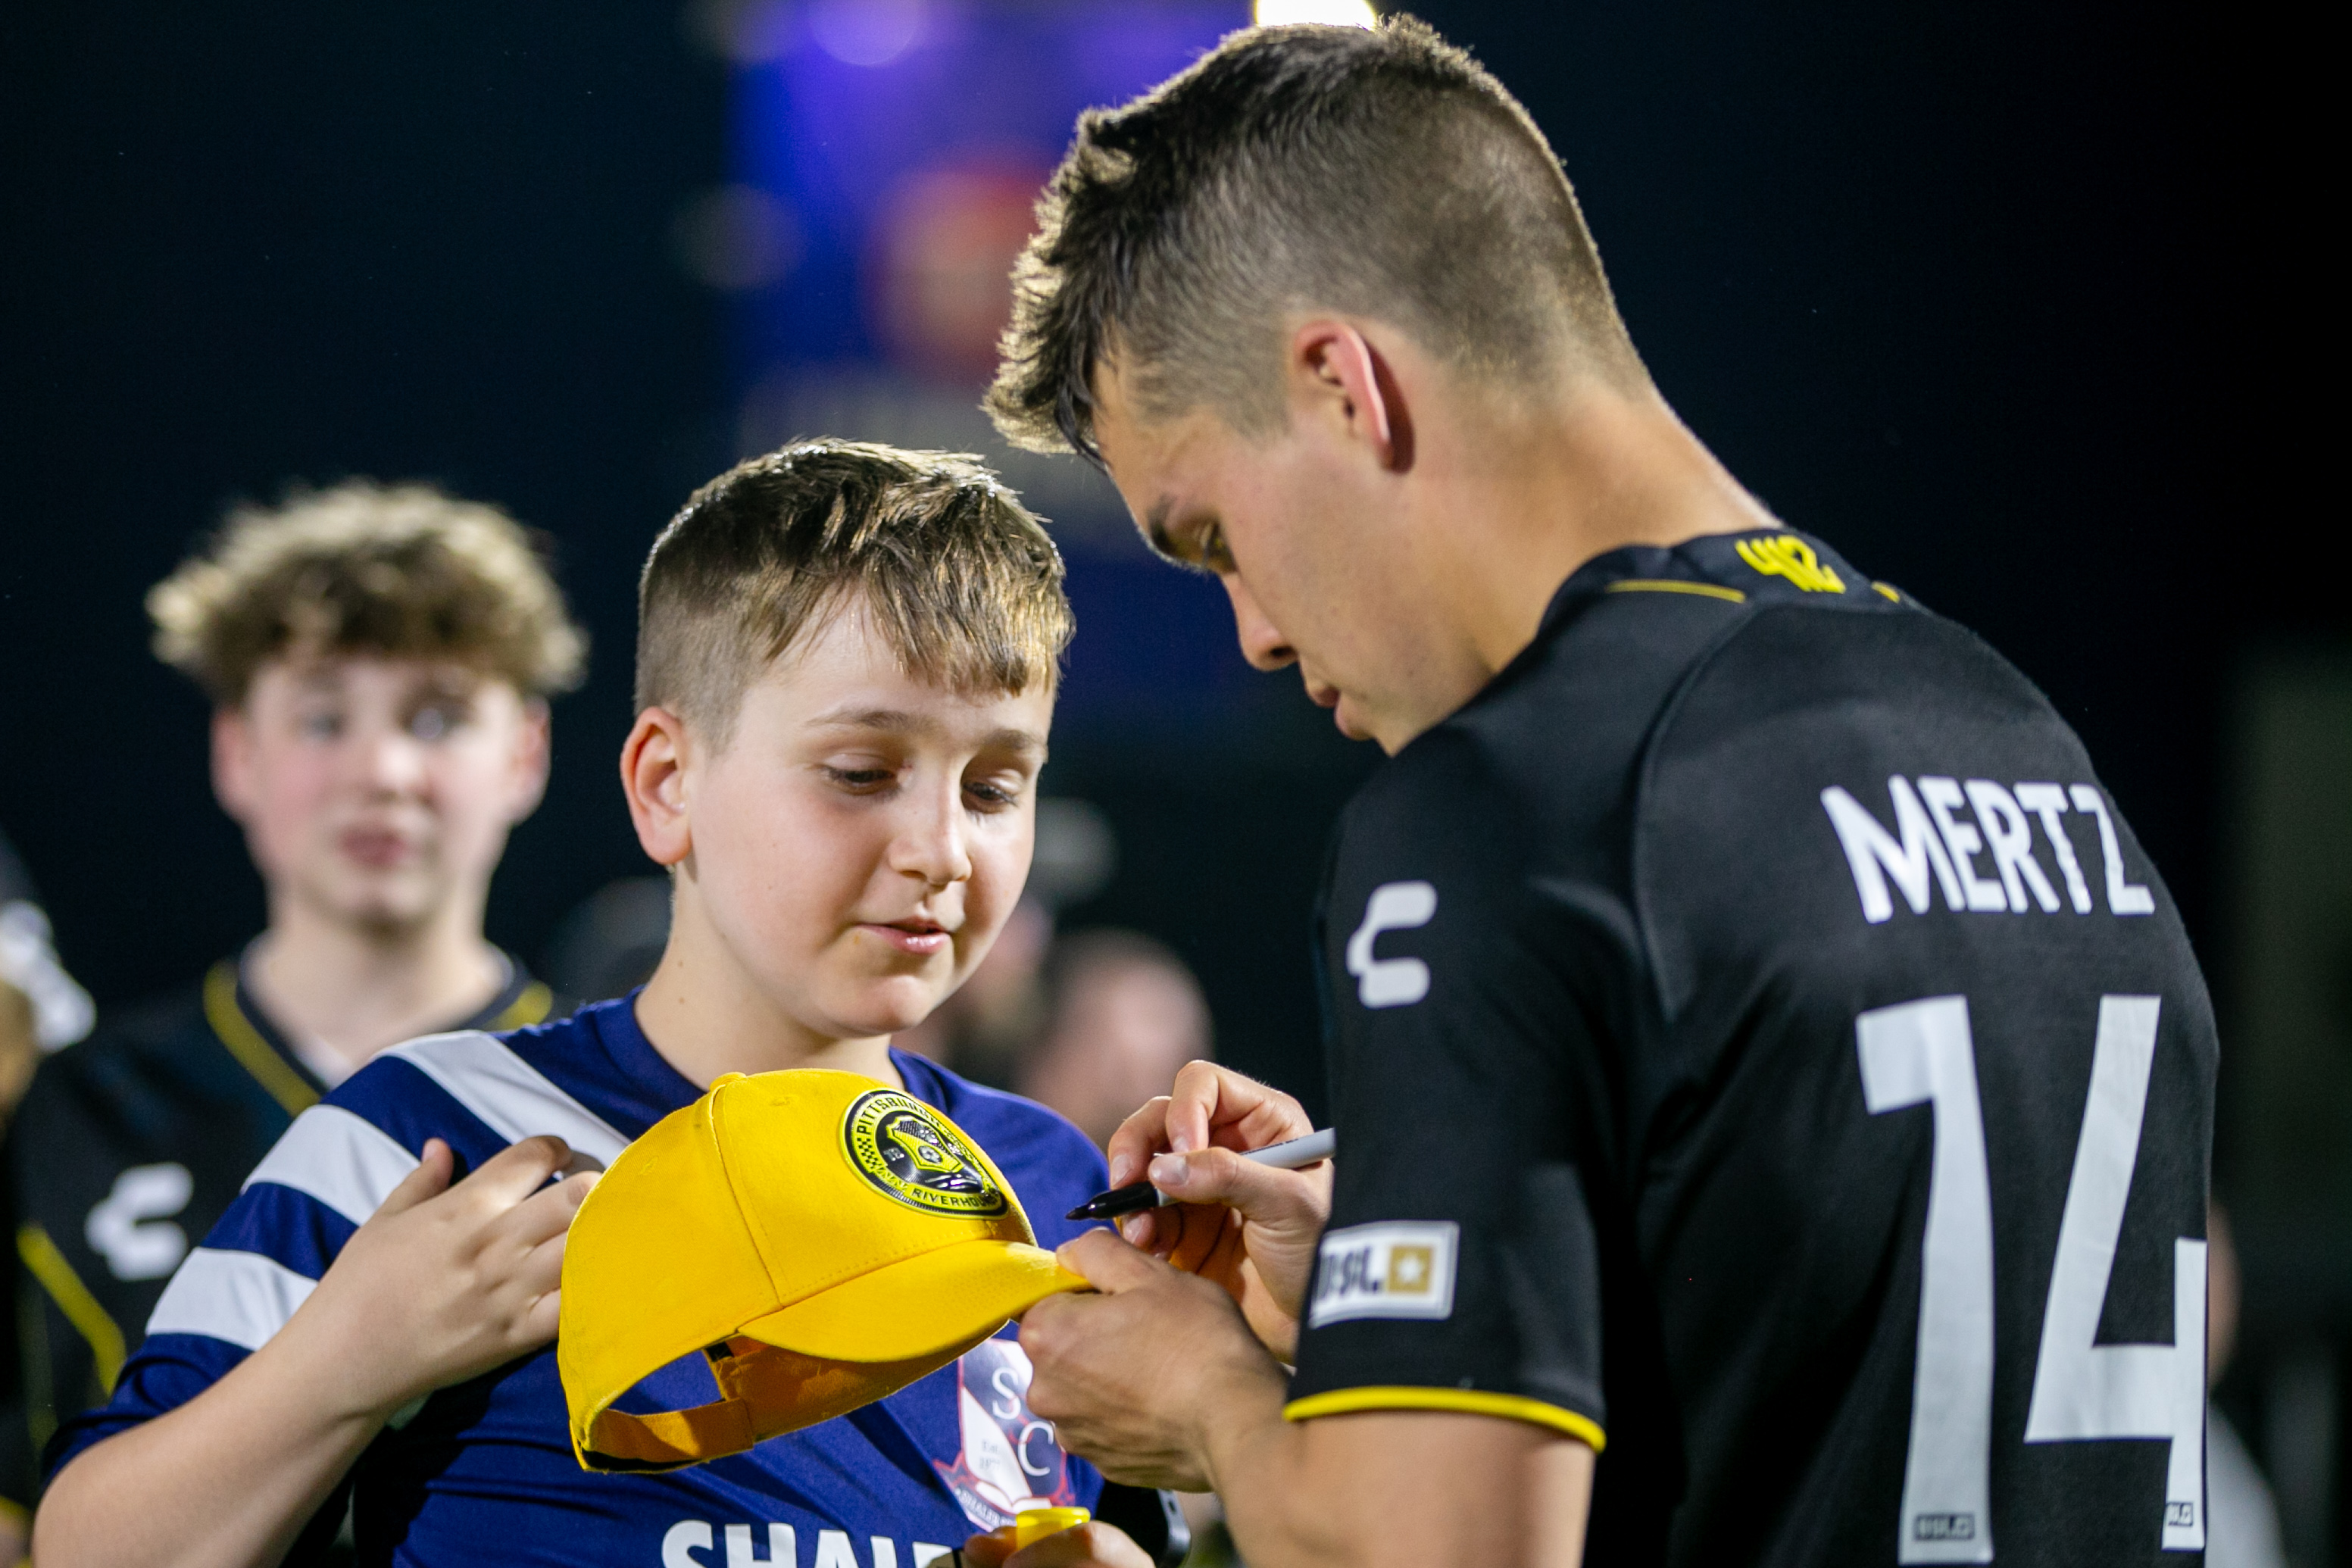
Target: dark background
(1978, 292)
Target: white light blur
(1331, 12)
(866, 32)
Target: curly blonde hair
(402, 569)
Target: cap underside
(919, 1305)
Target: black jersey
(1762, 1050)
(129, 1146)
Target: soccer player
(1773, 1088)
(379, 661)
(847, 663)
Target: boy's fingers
(429, 1179)
(549, 1210)
(518, 1170)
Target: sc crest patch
(898, 1145)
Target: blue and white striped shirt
(484, 1472)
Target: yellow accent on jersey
(48, 1266)
(528, 1008)
(235, 1031)
(1887, 589)
(1469, 1400)
(1669, 585)
(1790, 557)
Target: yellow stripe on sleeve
(530, 1007)
(245, 1043)
(1671, 585)
(1468, 1401)
(48, 1266)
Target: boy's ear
(653, 778)
(232, 749)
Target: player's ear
(653, 778)
(1338, 373)
(234, 785)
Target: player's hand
(444, 1283)
(1133, 1376)
(1251, 1229)
(1094, 1545)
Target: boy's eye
(994, 794)
(860, 778)
(323, 724)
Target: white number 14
(1922, 1053)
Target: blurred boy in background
(379, 661)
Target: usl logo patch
(1394, 1269)
(899, 1145)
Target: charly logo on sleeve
(898, 1145)
(1392, 1269)
(1391, 982)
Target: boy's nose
(931, 845)
(387, 758)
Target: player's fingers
(429, 1179)
(1282, 1199)
(1138, 1138)
(1203, 1227)
(1093, 1545)
(989, 1551)
(516, 1172)
(1109, 1263)
(1215, 1104)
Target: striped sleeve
(321, 1180)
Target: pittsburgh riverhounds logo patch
(903, 1147)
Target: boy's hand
(1251, 1229)
(1095, 1545)
(444, 1283)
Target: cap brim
(956, 1295)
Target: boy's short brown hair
(962, 582)
(405, 571)
(1377, 173)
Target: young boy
(846, 673)
(379, 661)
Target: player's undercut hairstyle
(960, 581)
(399, 571)
(1381, 173)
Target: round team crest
(908, 1151)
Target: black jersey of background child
(1745, 951)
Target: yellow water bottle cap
(1034, 1524)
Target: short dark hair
(963, 583)
(1382, 173)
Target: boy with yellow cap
(846, 673)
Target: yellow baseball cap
(822, 1239)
